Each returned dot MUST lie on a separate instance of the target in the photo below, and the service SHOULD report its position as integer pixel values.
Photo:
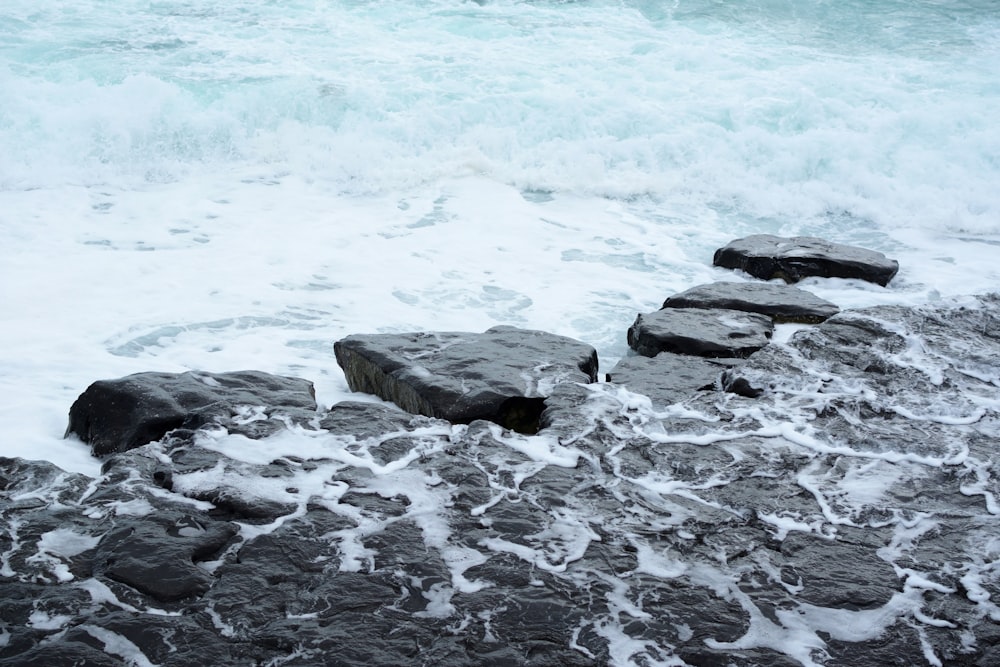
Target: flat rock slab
(792, 259)
(782, 303)
(669, 378)
(118, 415)
(703, 332)
(502, 375)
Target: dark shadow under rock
(118, 415)
(792, 259)
(703, 332)
(782, 303)
(502, 375)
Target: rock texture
(705, 332)
(792, 259)
(669, 378)
(118, 415)
(846, 515)
(782, 303)
(502, 375)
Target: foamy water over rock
(848, 515)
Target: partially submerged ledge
(848, 507)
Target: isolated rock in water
(118, 415)
(502, 375)
(704, 332)
(669, 378)
(782, 303)
(792, 259)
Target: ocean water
(188, 184)
(193, 184)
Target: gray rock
(837, 574)
(502, 375)
(792, 259)
(782, 303)
(158, 556)
(118, 415)
(669, 378)
(845, 516)
(704, 332)
(68, 653)
(365, 420)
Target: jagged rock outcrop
(792, 259)
(502, 375)
(782, 303)
(118, 415)
(704, 332)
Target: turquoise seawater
(880, 109)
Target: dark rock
(704, 332)
(502, 375)
(158, 556)
(872, 345)
(792, 259)
(368, 420)
(168, 641)
(669, 378)
(837, 574)
(64, 654)
(782, 303)
(118, 415)
(845, 516)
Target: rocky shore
(718, 499)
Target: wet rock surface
(792, 259)
(783, 303)
(704, 332)
(669, 378)
(845, 516)
(117, 415)
(502, 375)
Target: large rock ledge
(828, 501)
(846, 516)
(502, 375)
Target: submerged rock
(502, 375)
(792, 259)
(118, 415)
(704, 332)
(782, 303)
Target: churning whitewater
(215, 187)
